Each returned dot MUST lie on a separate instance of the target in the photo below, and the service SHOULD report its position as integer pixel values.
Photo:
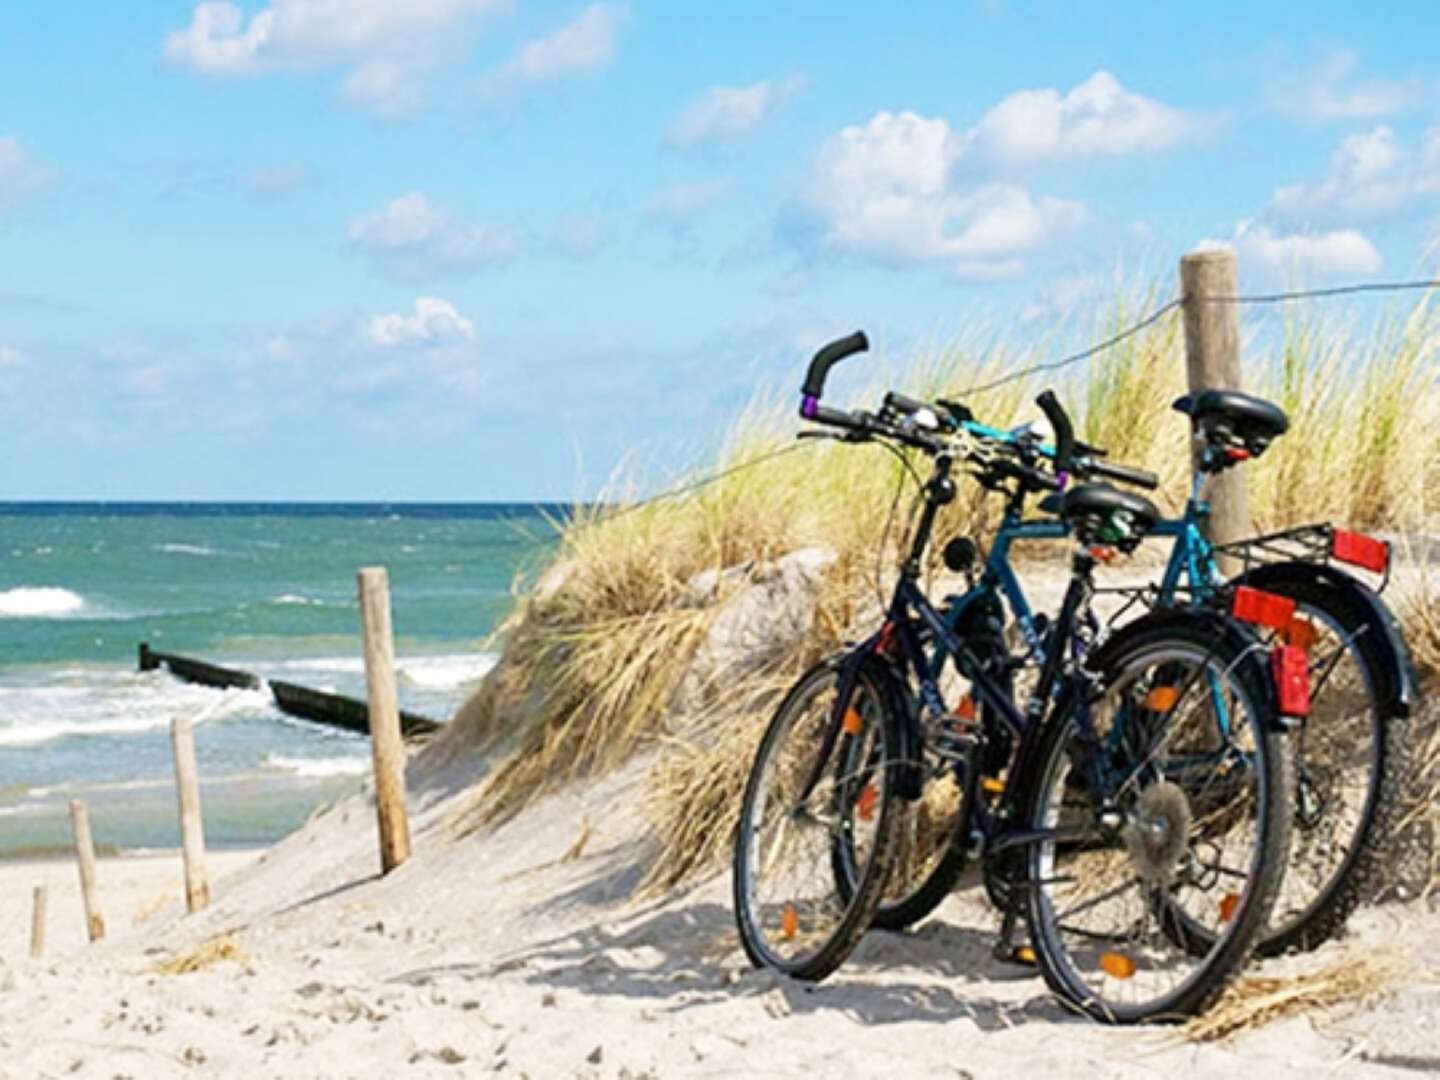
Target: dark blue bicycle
(1352, 752)
(1146, 838)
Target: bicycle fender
(1216, 625)
(902, 723)
(1399, 684)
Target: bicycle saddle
(1244, 417)
(1101, 514)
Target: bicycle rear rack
(1313, 544)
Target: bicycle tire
(1095, 991)
(863, 755)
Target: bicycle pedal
(1021, 955)
(955, 739)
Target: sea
(269, 588)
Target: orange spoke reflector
(965, 710)
(865, 804)
(1117, 965)
(1228, 906)
(789, 922)
(852, 724)
(1162, 698)
(1300, 633)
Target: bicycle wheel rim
(1338, 756)
(1114, 919)
(791, 914)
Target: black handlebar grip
(827, 358)
(1141, 478)
(1060, 424)
(906, 406)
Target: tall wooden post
(1212, 358)
(37, 922)
(192, 822)
(385, 745)
(85, 853)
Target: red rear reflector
(1291, 668)
(1262, 608)
(1236, 453)
(1360, 550)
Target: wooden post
(192, 822)
(385, 745)
(85, 852)
(37, 922)
(1212, 357)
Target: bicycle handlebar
(1141, 478)
(1061, 426)
(814, 386)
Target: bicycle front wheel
(824, 780)
(1166, 798)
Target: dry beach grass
(596, 652)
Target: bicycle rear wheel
(1351, 760)
(812, 790)
(1150, 917)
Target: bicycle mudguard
(902, 723)
(1399, 684)
(1219, 627)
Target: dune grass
(596, 649)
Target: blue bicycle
(1146, 836)
(1352, 753)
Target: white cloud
(887, 190)
(11, 357)
(1098, 117)
(21, 176)
(434, 322)
(681, 204)
(1340, 252)
(301, 33)
(586, 43)
(579, 236)
(385, 87)
(1331, 93)
(389, 43)
(412, 240)
(1369, 175)
(727, 112)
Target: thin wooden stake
(85, 853)
(1212, 360)
(192, 822)
(385, 744)
(37, 922)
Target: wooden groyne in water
(319, 706)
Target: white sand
(490, 954)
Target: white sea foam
(176, 548)
(294, 598)
(445, 672)
(318, 768)
(40, 602)
(89, 711)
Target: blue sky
(484, 249)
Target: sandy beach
(512, 953)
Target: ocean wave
(40, 602)
(175, 548)
(318, 768)
(143, 716)
(295, 598)
(445, 672)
